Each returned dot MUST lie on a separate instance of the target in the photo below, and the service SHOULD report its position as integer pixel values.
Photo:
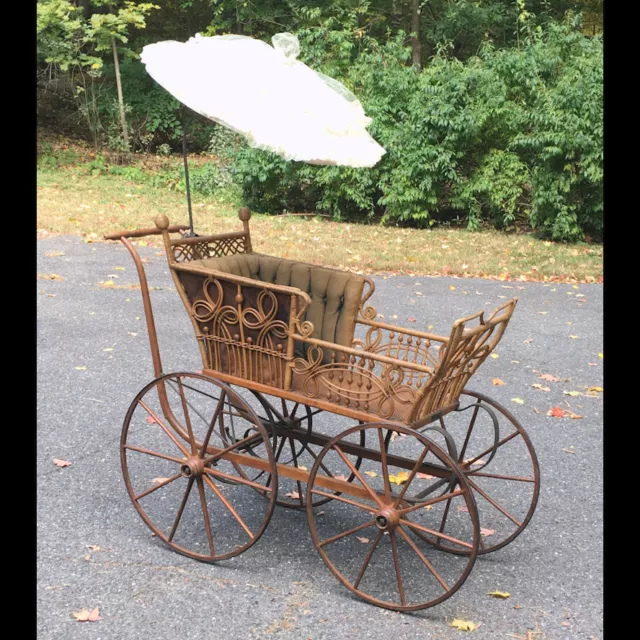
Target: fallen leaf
(593, 364)
(515, 362)
(303, 468)
(451, 288)
(517, 400)
(528, 341)
(494, 355)
(536, 411)
(572, 393)
(363, 540)
(80, 368)
(49, 276)
(294, 494)
(596, 389)
(54, 254)
(411, 319)
(464, 625)
(424, 476)
(131, 333)
(428, 507)
(463, 509)
(601, 356)
(87, 616)
(568, 451)
(486, 532)
(371, 474)
(573, 416)
(549, 377)
(575, 337)
(499, 594)
(542, 313)
(94, 547)
(497, 382)
(541, 387)
(119, 268)
(342, 477)
(108, 349)
(107, 284)
(158, 480)
(151, 420)
(61, 463)
(400, 478)
(556, 412)
(480, 461)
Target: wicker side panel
(209, 248)
(243, 328)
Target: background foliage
(491, 112)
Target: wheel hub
(193, 468)
(387, 518)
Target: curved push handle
(140, 233)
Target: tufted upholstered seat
(335, 295)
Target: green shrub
(510, 135)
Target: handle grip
(139, 233)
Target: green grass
(73, 201)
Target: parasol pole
(186, 174)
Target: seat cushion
(335, 295)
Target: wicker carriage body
(294, 329)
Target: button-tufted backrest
(335, 295)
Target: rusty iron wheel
(368, 534)
(500, 464)
(280, 412)
(184, 468)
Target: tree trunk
(123, 120)
(416, 47)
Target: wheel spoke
(228, 505)
(156, 454)
(396, 562)
(481, 474)
(334, 496)
(358, 475)
(411, 476)
(385, 467)
(438, 534)
(181, 508)
(164, 428)
(277, 457)
(468, 436)
(237, 479)
(205, 513)
(285, 409)
(216, 413)
(344, 534)
(424, 559)
(315, 457)
(164, 483)
(446, 496)
(490, 449)
(295, 464)
(491, 501)
(295, 408)
(187, 418)
(367, 559)
(231, 447)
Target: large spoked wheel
(298, 453)
(185, 452)
(371, 538)
(501, 466)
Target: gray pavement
(280, 587)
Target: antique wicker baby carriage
(301, 383)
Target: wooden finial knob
(244, 214)
(162, 222)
